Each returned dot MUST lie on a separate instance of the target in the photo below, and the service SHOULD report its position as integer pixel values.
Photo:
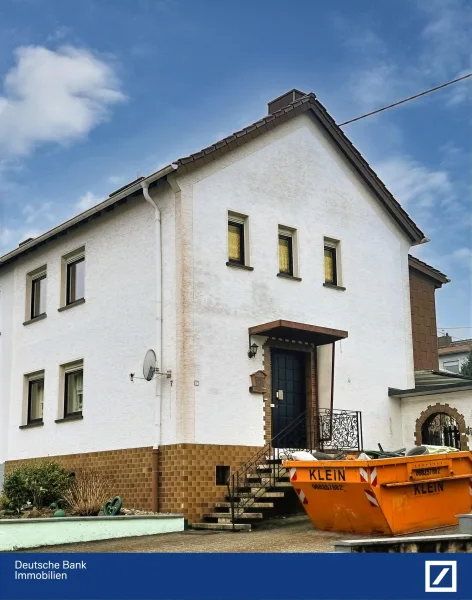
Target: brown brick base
(186, 474)
(130, 470)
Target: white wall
(6, 335)
(291, 177)
(110, 332)
(413, 407)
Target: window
(332, 262)
(222, 475)
(330, 265)
(38, 295)
(285, 254)
(73, 391)
(35, 398)
(235, 242)
(75, 280)
(452, 366)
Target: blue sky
(95, 92)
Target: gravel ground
(295, 535)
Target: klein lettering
(327, 474)
(429, 488)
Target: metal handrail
(313, 433)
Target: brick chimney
(284, 100)
(444, 341)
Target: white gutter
(159, 340)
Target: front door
(288, 399)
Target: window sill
(334, 287)
(34, 319)
(287, 276)
(71, 305)
(238, 266)
(32, 424)
(73, 417)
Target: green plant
(39, 484)
(4, 502)
(88, 492)
(15, 488)
(466, 369)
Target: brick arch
(445, 409)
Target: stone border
(448, 410)
(18, 534)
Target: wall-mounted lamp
(252, 350)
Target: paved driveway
(297, 536)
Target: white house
(453, 354)
(279, 236)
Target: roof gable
(306, 103)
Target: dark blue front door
(288, 397)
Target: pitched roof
(307, 103)
(456, 347)
(438, 277)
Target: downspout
(158, 413)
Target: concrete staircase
(263, 493)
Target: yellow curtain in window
(284, 256)
(329, 265)
(234, 243)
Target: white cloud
(414, 183)
(115, 179)
(59, 33)
(34, 213)
(53, 97)
(87, 201)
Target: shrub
(39, 484)
(89, 492)
(15, 488)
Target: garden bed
(17, 534)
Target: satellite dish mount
(150, 368)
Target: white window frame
(77, 365)
(27, 379)
(66, 260)
(30, 277)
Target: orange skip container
(390, 496)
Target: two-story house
(276, 253)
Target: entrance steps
(259, 497)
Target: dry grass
(89, 492)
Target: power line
(434, 89)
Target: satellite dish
(149, 365)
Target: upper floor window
(332, 262)
(38, 294)
(285, 254)
(35, 397)
(288, 264)
(238, 250)
(73, 278)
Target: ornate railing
(331, 431)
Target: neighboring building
(280, 236)
(452, 354)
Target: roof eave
(95, 210)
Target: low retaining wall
(428, 543)
(16, 534)
(465, 524)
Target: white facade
(292, 176)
